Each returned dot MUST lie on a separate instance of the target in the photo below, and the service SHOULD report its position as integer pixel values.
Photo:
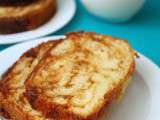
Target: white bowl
(114, 10)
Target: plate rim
(38, 33)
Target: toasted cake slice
(12, 100)
(17, 18)
(81, 77)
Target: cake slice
(81, 76)
(12, 101)
(23, 17)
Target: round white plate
(142, 98)
(65, 12)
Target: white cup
(114, 10)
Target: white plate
(142, 99)
(65, 12)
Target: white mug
(114, 10)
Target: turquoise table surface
(142, 32)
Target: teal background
(142, 32)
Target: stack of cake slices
(75, 78)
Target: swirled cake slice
(81, 76)
(12, 100)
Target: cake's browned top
(78, 73)
(19, 10)
(12, 87)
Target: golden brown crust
(8, 102)
(12, 23)
(41, 102)
(3, 112)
